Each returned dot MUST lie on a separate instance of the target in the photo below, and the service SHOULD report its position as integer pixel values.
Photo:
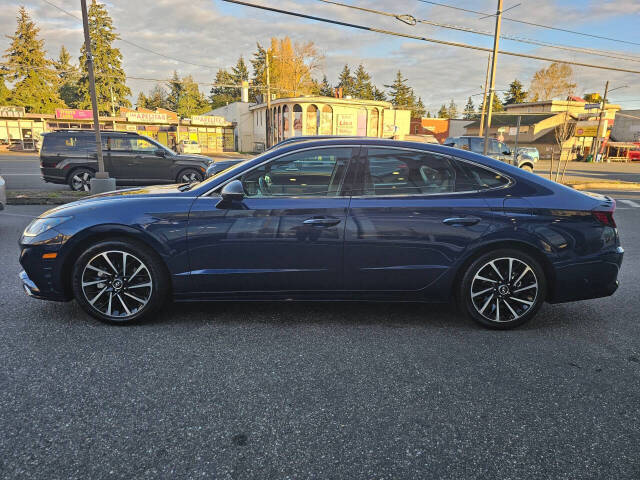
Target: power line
(516, 20)
(428, 39)
(411, 20)
(141, 47)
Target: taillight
(605, 218)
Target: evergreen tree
(142, 101)
(175, 92)
(515, 94)
(4, 91)
(346, 82)
(107, 62)
(428, 114)
(220, 96)
(379, 94)
(497, 105)
(362, 86)
(259, 78)
(469, 110)
(32, 74)
(418, 109)
(192, 101)
(158, 98)
(443, 112)
(452, 110)
(400, 94)
(68, 75)
(325, 89)
(240, 72)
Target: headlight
(41, 225)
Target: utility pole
(515, 148)
(494, 58)
(268, 117)
(484, 97)
(596, 139)
(101, 182)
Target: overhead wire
(411, 20)
(428, 39)
(540, 25)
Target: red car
(635, 153)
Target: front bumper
(28, 286)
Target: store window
(286, 126)
(326, 120)
(297, 120)
(313, 120)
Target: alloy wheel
(81, 181)
(190, 177)
(504, 289)
(117, 284)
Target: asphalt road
(315, 390)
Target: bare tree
(554, 81)
(563, 132)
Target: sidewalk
(583, 172)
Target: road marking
(631, 203)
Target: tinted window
(313, 172)
(130, 144)
(473, 177)
(407, 172)
(65, 142)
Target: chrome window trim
(352, 147)
(453, 158)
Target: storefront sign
(345, 124)
(587, 129)
(73, 114)
(9, 111)
(211, 120)
(145, 117)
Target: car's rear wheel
(119, 281)
(502, 289)
(189, 175)
(527, 167)
(80, 179)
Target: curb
(42, 198)
(632, 186)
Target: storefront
(20, 130)
(213, 133)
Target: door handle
(322, 222)
(464, 221)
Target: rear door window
(473, 177)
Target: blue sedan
(332, 219)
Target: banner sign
(587, 129)
(144, 117)
(73, 114)
(211, 120)
(11, 111)
(345, 124)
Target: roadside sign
(591, 106)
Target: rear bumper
(591, 278)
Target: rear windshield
(65, 142)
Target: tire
(189, 175)
(492, 302)
(132, 296)
(80, 178)
(527, 167)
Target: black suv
(69, 156)
(498, 150)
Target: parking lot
(315, 390)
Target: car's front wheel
(502, 289)
(80, 179)
(190, 175)
(119, 281)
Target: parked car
(634, 154)
(529, 151)
(216, 167)
(3, 193)
(333, 219)
(188, 146)
(498, 150)
(69, 156)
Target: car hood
(128, 193)
(193, 156)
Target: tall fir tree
(469, 110)
(175, 92)
(379, 94)
(443, 112)
(32, 74)
(4, 91)
(515, 94)
(496, 105)
(107, 62)
(68, 75)
(259, 77)
(452, 109)
(240, 72)
(400, 94)
(362, 86)
(418, 109)
(325, 89)
(157, 98)
(142, 101)
(192, 101)
(220, 95)
(346, 81)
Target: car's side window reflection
(314, 172)
(407, 172)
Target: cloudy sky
(213, 34)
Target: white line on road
(631, 203)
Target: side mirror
(232, 191)
(506, 152)
(160, 153)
